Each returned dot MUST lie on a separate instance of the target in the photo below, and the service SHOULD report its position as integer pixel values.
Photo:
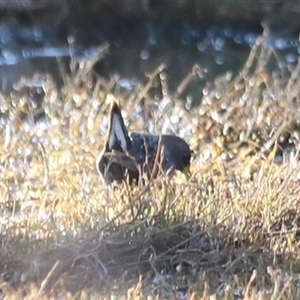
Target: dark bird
(127, 157)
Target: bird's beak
(187, 172)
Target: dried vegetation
(229, 232)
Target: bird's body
(129, 157)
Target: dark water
(136, 48)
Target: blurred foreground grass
(230, 232)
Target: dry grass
(229, 232)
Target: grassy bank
(231, 230)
